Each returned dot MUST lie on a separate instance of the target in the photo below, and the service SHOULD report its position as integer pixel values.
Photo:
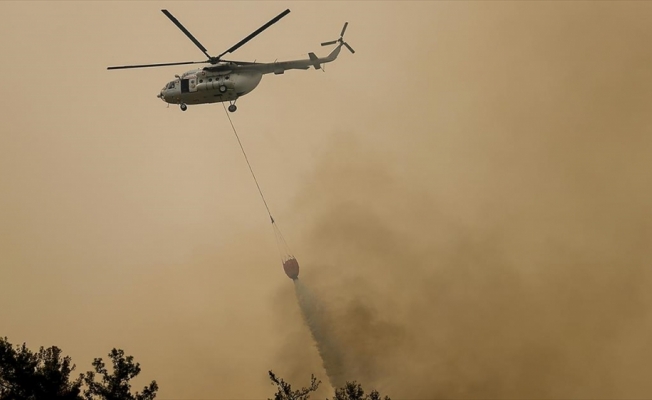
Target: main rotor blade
(255, 33)
(349, 47)
(344, 29)
(156, 65)
(328, 43)
(184, 30)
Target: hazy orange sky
(468, 194)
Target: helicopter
(225, 80)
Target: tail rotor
(340, 40)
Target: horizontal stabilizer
(315, 60)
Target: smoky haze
(501, 250)
(468, 197)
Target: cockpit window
(171, 85)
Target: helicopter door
(184, 86)
(189, 85)
(193, 83)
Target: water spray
(313, 315)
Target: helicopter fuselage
(224, 80)
(204, 87)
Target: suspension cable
(280, 240)
(248, 164)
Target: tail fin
(334, 53)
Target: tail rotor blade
(329, 43)
(349, 47)
(344, 29)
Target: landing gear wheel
(222, 89)
(232, 108)
(183, 107)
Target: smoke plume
(500, 249)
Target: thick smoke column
(314, 315)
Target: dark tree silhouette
(284, 390)
(354, 391)
(25, 375)
(116, 385)
(351, 391)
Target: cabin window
(201, 81)
(210, 79)
(226, 78)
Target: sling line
(280, 240)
